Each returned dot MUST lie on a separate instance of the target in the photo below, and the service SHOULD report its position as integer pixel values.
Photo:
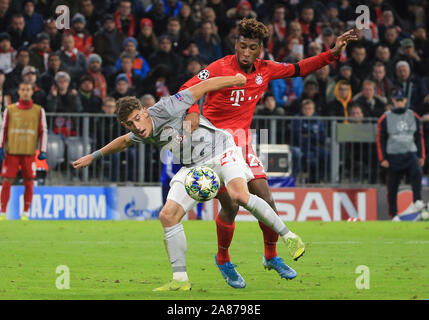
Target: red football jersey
(233, 108)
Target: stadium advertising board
(139, 203)
(66, 203)
(305, 204)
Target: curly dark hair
(252, 29)
(125, 106)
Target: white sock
(25, 214)
(3, 214)
(265, 214)
(180, 276)
(288, 235)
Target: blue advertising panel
(66, 203)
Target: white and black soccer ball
(204, 74)
(202, 184)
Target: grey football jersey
(169, 132)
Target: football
(202, 184)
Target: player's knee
(167, 217)
(239, 198)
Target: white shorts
(228, 166)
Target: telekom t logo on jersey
(237, 96)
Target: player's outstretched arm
(119, 144)
(216, 83)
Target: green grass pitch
(126, 260)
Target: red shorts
(12, 164)
(254, 164)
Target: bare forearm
(117, 145)
(214, 84)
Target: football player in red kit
(233, 109)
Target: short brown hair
(253, 29)
(125, 106)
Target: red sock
(5, 195)
(28, 194)
(270, 241)
(225, 232)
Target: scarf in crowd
(119, 25)
(71, 54)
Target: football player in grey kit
(163, 126)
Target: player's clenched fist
(83, 162)
(241, 79)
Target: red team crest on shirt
(258, 79)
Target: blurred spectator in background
(187, 23)
(391, 39)
(73, 61)
(310, 91)
(324, 81)
(92, 17)
(339, 107)
(308, 23)
(139, 65)
(124, 20)
(193, 67)
(5, 98)
(310, 136)
(209, 15)
(148, 100)
(228, 42)
(108, 44)
(371, 105)
(421, 45)
(166, 56)
(19, 34)
(382, 54)
(122, 87)
(286, 90)
(345, 72)
(109, 105)
(412, 85)
(383, 85)
(126, 67)
(208, 45)
(7, 53)
(55, 36)
(409, 54)
(158, 82)
(91, 103)
(360, 63)
(33, 20)
(94, 63)
(4, 14)
(192, 51)
(147, 40)
(39, 52)
(61, 97)
(242, 10)
(314, 48)
(179, 39)
(269, 106)
(47, 79)
(13, 78)
(158, 17)
(82, 38)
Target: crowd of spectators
(149, 49)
